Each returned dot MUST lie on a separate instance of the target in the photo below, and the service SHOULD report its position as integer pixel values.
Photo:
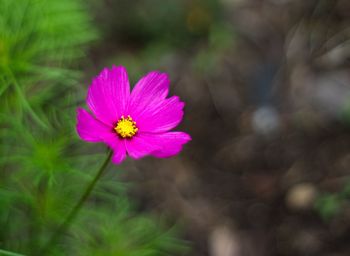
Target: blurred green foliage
(39, 40)
(44, 168)
(177, 23)
(153, 33)
(40, 37)
(330, 205)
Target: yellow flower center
(126, 127)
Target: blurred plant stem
(7, 253)
(68, 221)
(24, 100)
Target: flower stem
(68, 221)
(8, 253)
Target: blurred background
(267, 91)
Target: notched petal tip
(161, 117)
(186, 137)
(119, 67)
(108, 94)
(173, 143)
(118, 157)
(149, 90)
(159, 145)
(118, 147)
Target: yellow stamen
(126, 127)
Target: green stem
(8, 253)
(24, 101)
(68, 221)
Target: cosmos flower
(136, 123)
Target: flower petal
(91, 129)
(109, 94)
(161, 117)
(118, 147)
(140, 146)
(151, 89)
(160, 145)
(171, 143)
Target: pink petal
(149, 91)
(159, 145)
(108, 94)
(162, 117)
(118, 147)
(91, 129)
(171, 143)
(140, 146)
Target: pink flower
(136, 123)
